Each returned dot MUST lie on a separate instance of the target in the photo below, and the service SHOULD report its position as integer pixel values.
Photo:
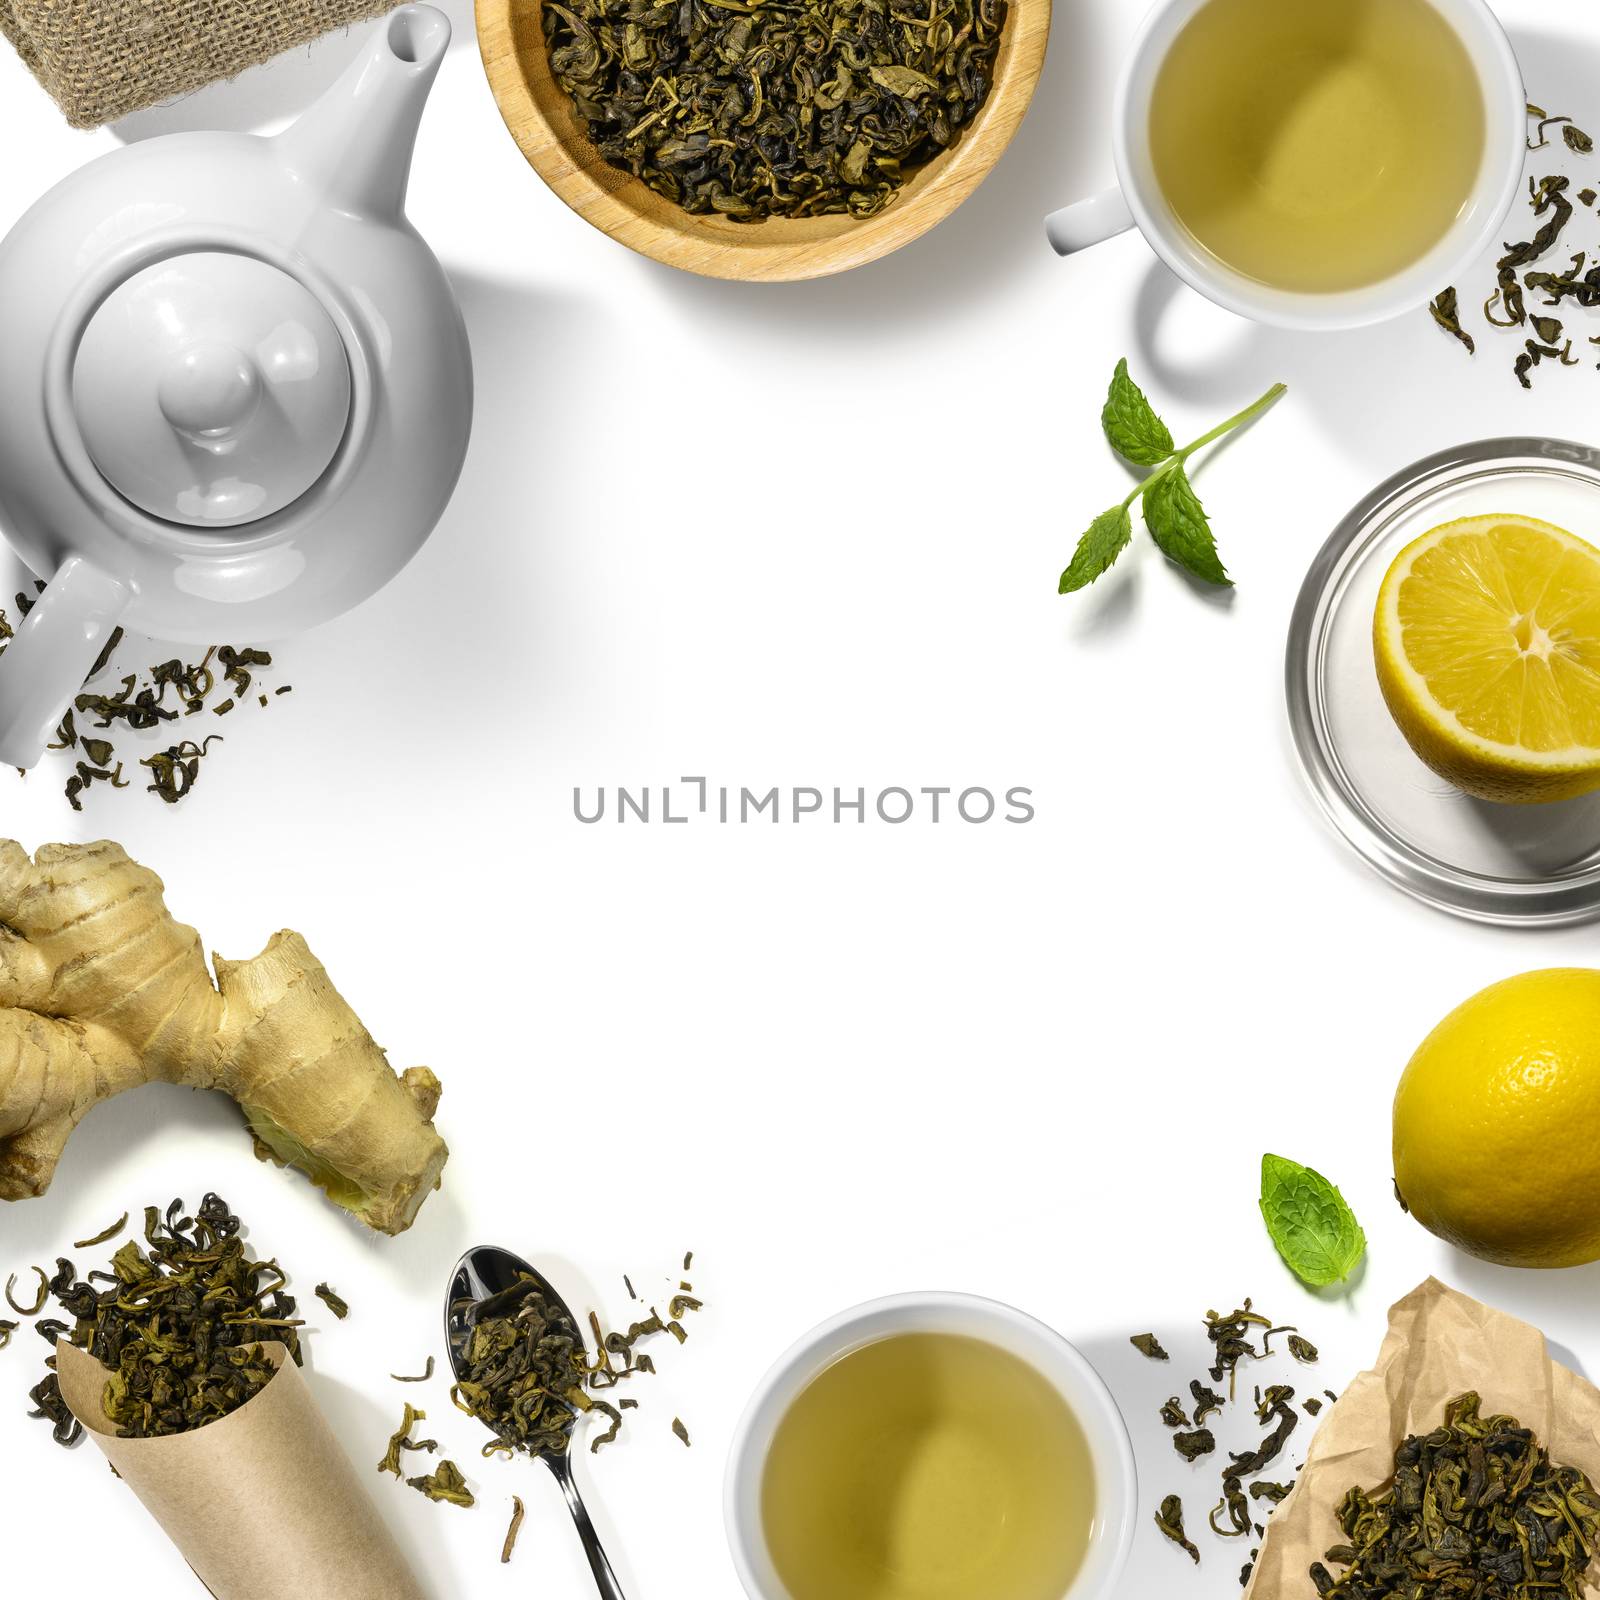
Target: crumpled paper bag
(263, 1504)
(1440, 1344)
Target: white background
(809, 535)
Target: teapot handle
(54, 648)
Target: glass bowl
(1528, 865)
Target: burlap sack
(101, 59)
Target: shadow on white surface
(1059, 152)
(117, 1137)
(492, 575)
(353, 1417)
(264, 98)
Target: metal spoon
(480, 1275)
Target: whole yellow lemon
(1497, 1122)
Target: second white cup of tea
(1139, 200)
(966, 1317)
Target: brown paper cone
(263, 1504)
(1441, 1343)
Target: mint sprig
(1172, 510)
(1314, 1229)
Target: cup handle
(1092, 221)
(54, 648)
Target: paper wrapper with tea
(1440, 1344)
(263, 1504)
(101, 59)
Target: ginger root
(101, 990)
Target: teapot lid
(211, 389)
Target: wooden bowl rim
(705, 245)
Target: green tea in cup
(928, 1466)
(1318, 146)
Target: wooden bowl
(780, 249)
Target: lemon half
(1487, 638)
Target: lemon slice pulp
(1487, 641)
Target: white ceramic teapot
(235, 386)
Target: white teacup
(1138, 201)
(966, 1315)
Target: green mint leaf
(1106, 539)
(1177, 522)
(1315, 1231)
(1136, 433)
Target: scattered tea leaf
(339, 1307)
(421, 1377)
(1148, 1345)
(446, 1484)
(513, 1530)
(1447, 313)
(401, 1439)
(1191, 1446)
(1207, 1402)
(1169, 1519)
(38, 1304)
(681, 1431)
(104, 1235)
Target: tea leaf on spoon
(1314, 1229)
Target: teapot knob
(209, 390)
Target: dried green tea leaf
(1302, 1349)
(1169, 1519)
(1312, 1407)
(1207, 1402)
(1173, 1414)
(1313, 1228)
(1148, 1345)
(7, 1328)
(1131, 425)
(104, 1235)
(906, 82)
(513, 1530)
(1277, 1493)
(1191, 1446)
(38, 1304)
(445, 1483)
(1447, 313)
(1577, 140)
(681, 1431)
(180, 1323)
(420, 1377)
(749, 111)
(1476, 1509)
(1108, 536)
(400, 1440)
(332, 1301)
(1177, 522)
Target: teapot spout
(354, 145)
